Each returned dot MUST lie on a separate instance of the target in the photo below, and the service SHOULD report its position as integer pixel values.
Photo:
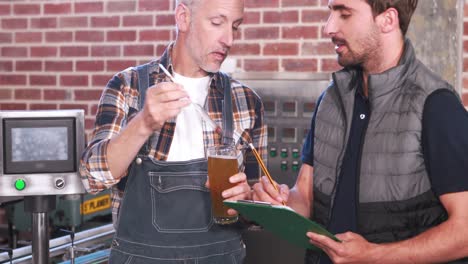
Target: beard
(363, 51)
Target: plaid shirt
(119, 103)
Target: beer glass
(222, 164)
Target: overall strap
(143, 84)
(225, 81)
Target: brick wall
(60, 54)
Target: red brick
(6, 66)
(44, 51)
(14, 23)
(139, 20)
(6, 94)
(87, 95)
(324, 3)
(73, 80)
(300, 32)
(315, 16)
(5, 9)
(58, 66)
(12, 106)
(29, 65)
(14, 52)
(56, 9)
(26, 9)
(100, 80)
(155, 35)
(75, 106)
(73, 22)
(119, 65)
(74, 51)
(300, 65)
(251, 17)
(465, 100)
(42, 80)
(89, 66)
(160, 49)
(28, 37)
(55, 94)
(465, 46)
(318, 48)
(465, 64)
(465, 82)
(12, 79)
(27, 94)
(261, 65)
(329, 65)
(89, 36)
(41, 106)
(6, 37)
(89, 123)
(105, 51)
(121, 35)
(121, 6)
(465, 28)
(89, 7)
(306, 3)
(245, 49)
(153, 5)
(63, 36)
(281, 49)
(261, 3)
(262, 33)
(165, 20)
(111, 21)
(139, 50)
(93, 109)
(281, 17)
(44, 22)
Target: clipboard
(281, 220)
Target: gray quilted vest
(395, 196)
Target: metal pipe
(40, 238)
(61, 244)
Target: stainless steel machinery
(289, 100)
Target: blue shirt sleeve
(445, 142)
(308, 147)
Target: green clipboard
(281, 221)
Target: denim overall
(165, 217)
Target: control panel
(289, 100)
(40, 152)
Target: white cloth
(187, 143)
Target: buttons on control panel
(295, 153)
(20, 184)
(284, 153)
(284, 165)
(295, 166)
(273, 152)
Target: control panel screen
(39, 143)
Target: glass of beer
(222, 164)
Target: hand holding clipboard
(281, 221)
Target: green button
(284, 153)
(295, 166)
(20, 184)
(284, 165)
(295, 153)
(273, 152)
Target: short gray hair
(188, 3)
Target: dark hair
(405, 10)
